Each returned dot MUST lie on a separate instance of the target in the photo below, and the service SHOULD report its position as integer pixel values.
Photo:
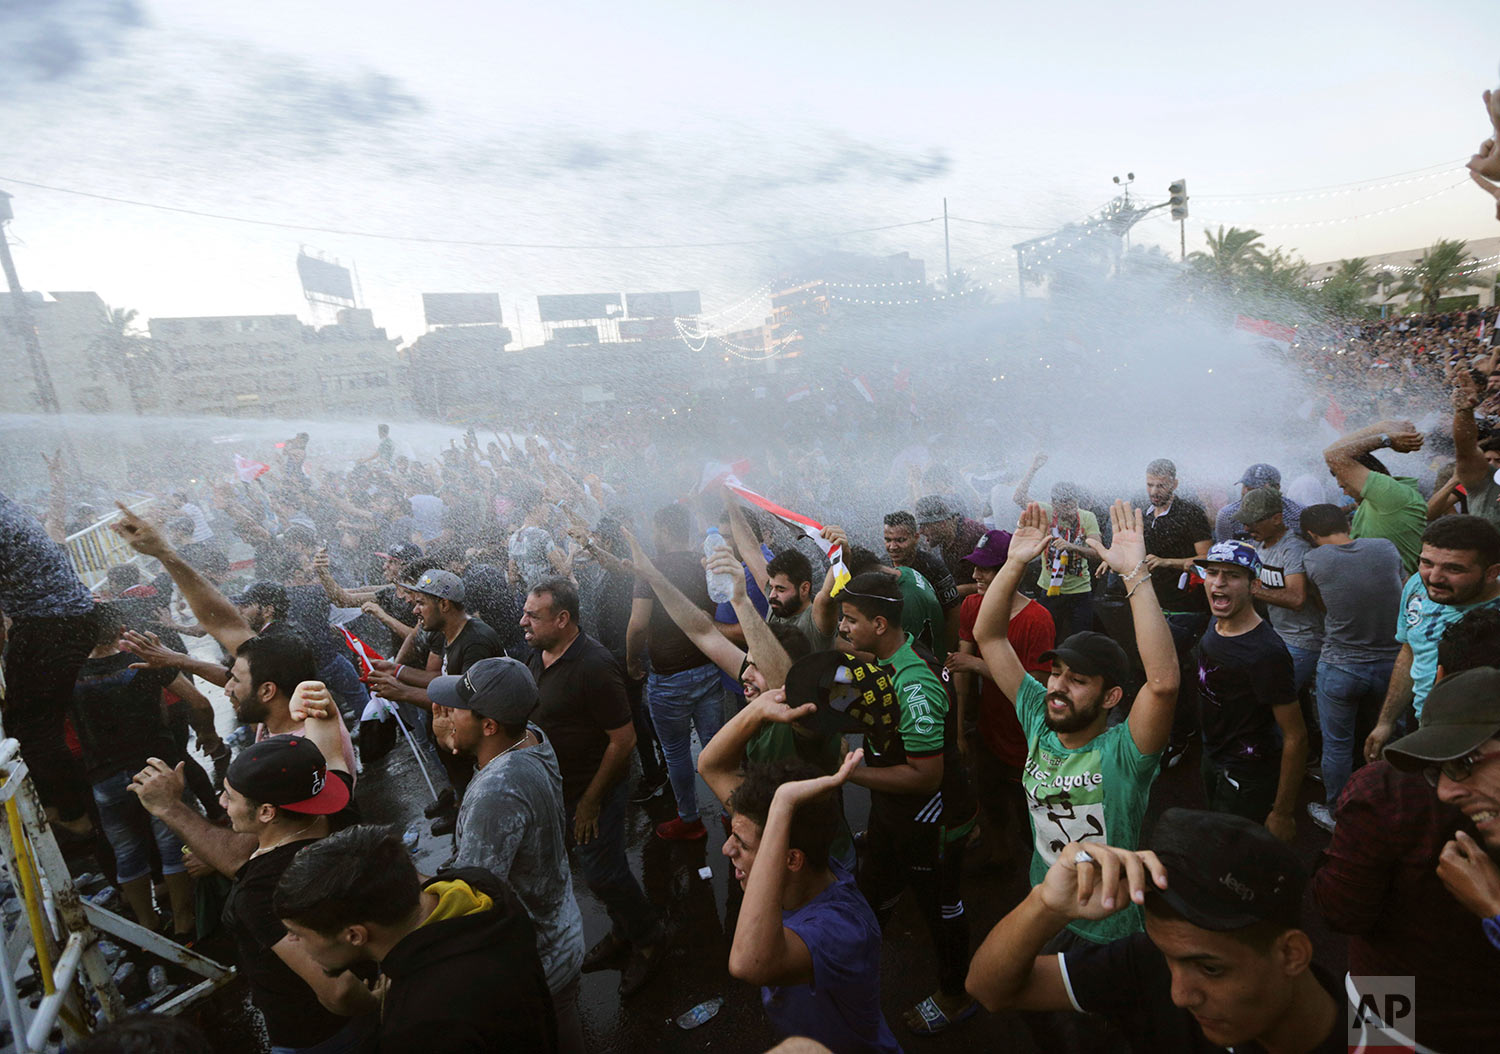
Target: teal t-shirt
(1096, 793)
(1392, 507)
(921, 614)
(1421, 623)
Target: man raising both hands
(1085, 781)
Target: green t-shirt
(1076, 577)
(921, 614)
(1392, 507)
(773, 742)
(1096, 793)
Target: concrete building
(1484, 250)
(73, 331)
(277, 366)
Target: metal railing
(96, 548)
(61, 928)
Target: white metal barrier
(96, 548)
(62, 930)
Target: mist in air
(1105, 356)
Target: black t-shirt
(606, 608)
(391, 603)
(1239, 680)
(489, 598)
(294, 1017)
(117, 713)
(1176, 534)
(1129, 982)
(307, 609)
(932, 568)
(580, 697)
(671, 650)
(474, 642)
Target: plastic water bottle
(700, 1013)
(720, 586)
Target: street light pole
(46, 394)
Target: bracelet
(1134, 570)
(1137, 586)
(399, 668)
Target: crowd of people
(1001, 676)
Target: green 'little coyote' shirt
(1096, 793)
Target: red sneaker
(678, 830)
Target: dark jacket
(469, 984)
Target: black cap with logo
(1225, 872)
(852, 696)
(289, 773)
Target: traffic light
(1178, 199)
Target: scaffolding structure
(57, 934)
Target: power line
(1442, 166)
(461, 241)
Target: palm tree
(1232, 254)
(1352, 283)
(1439, 272)
(122, 347)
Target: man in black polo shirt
(901, 538)
(1177, 533)
(1223, 962)
(583, 709)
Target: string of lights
(1334, 190)
(1488, 263)
(1341, 219)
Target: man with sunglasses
(1458, 750)
(1380, 880)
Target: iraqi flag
(1265, 329)
(377, 709)
(808, 526)
(799, 393)
(248, 471)
(716, 472)
(863, 388)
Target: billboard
(664, 305)
(575, 336)
(574, 307)
(647, 329)
(461, 309)
(321, 278)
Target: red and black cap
(289, 773)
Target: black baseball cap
(1093, 655)
(1225, 872)
(501, 689)
(852, 696)
(1461, 712)
(406, 552)
(270, 594)
(290, 773)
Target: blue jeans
(606, 871)
(346, 688)
(121, 815)
(679, 703)
(1347, 696)
(1304, 665)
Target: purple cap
(991, 549)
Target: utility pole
(41, 377)
(1182, 243)
(947, 250)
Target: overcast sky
(655, 122)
